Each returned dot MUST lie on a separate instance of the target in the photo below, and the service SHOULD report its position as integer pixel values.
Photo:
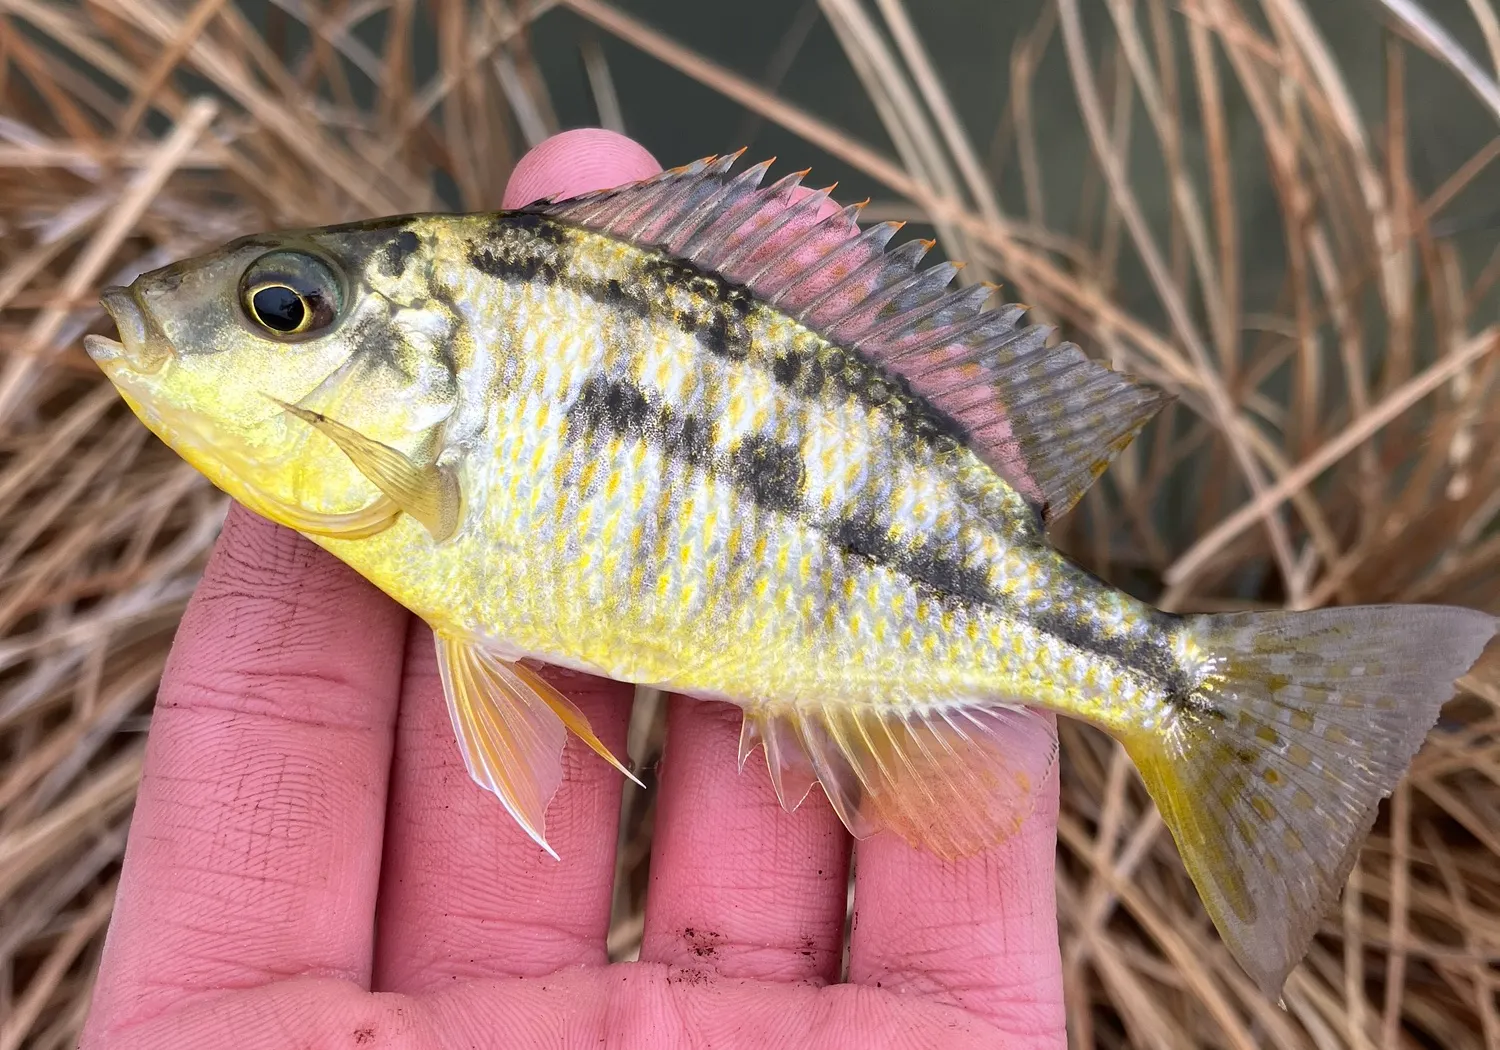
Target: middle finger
(464, 891)
(738, 885)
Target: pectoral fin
(429, 493)
(511, 726)
(370, 520)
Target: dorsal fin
(1048, 420)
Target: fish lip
(142, 344)
(102, 348)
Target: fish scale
(701, 434)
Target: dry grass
(1334, 441)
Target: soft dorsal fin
(1048, 420)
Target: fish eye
(290, 294)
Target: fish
(713, 435)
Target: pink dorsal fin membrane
(1047, 419)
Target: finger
(739, 886)
(255, 847)
(979, 933)
(465, 892)
(575, 162)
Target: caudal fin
(1271, 783)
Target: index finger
(255, 848)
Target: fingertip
(578, 161)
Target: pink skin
(310, 865)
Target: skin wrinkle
(651, 1005)
(988, 943)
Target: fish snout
(142, 346)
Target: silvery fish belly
(717, 437)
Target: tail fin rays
(1309, 720)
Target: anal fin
(792, 775)
(952, 779)
(511, 726)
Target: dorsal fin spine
(873, 240)
(877, 303)
(690, 223)
(748, 253)
(964, 336)
(788, 258)
(789, 252)
(933, 278)
(783, 191)
(669, 210)
(733, 216)
(905, 259)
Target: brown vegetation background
(1282, 210)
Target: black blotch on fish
(785, 368)
(772, 473)
(398, 250)
(521, 247)
(539, 226)
(920, 561)
(621, 408)
(715, 309)
(513, 265)
(689, 438)
(610, 405)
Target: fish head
(339, 321)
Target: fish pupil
(279, 308)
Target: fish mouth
(142, 346)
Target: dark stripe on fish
(772, 476)
(1148, 652)
(522, 246)
(868, 537)
(770, 473)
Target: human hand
(310, 865)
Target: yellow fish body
(693, 434)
